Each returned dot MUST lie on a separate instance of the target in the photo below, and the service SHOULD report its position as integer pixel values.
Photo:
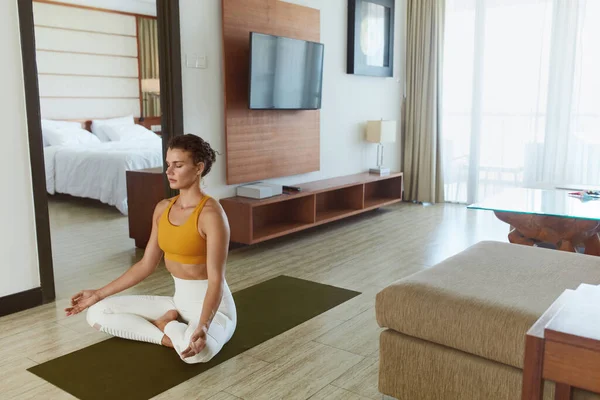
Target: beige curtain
(424, 50)
(148, 45)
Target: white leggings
(129, 317)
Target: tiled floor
(332, 356)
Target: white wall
(18, 247)
(144, 7)
(348, 100)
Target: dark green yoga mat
(124, 369)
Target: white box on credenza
(259, 190)
(381, 171)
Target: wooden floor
(333, 356)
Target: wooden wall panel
(69, 17)
(88, 86)
(72, 41)
(69, 64)
(265, 144)
(87, 62)
(79, 108)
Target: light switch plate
(155, 128)
(196, 61)
(201, 62)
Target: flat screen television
(285, 74)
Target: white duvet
(49, 152)
(97, 171)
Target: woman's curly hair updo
(198, 147)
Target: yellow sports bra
(182, 243)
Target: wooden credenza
(145, 188)
(253, 221)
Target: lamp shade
(381, 131)
(150, 85)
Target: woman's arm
(134, 275)
(144, 268)
(216, 228)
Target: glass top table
(547, 216)
(555, 203)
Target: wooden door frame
(172, 125)
(171, 94)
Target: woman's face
(181, 170)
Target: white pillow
(98, 125)
(48, 123)
(118, 133)
(67, 136)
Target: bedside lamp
(151, 86)
(380, 132)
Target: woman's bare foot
(160, 323)
(169, 316)
(165, 341)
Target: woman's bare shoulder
(213, 205)
(212, 212)
(161, 206)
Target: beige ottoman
(457, 330)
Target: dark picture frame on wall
(371, 37)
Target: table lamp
(151, 86)
(380, 132)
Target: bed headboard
(147, 122)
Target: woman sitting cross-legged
(193, 232)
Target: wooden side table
(564, 346)
(145, 188)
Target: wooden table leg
(566, 245)
(565, 233)
(533, 385)
(592, 246)
(562, 392)
(517, 237)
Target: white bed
(97, 170)
(49, 152)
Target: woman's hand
(197, 342)
(82, 300)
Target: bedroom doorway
(103, 94)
